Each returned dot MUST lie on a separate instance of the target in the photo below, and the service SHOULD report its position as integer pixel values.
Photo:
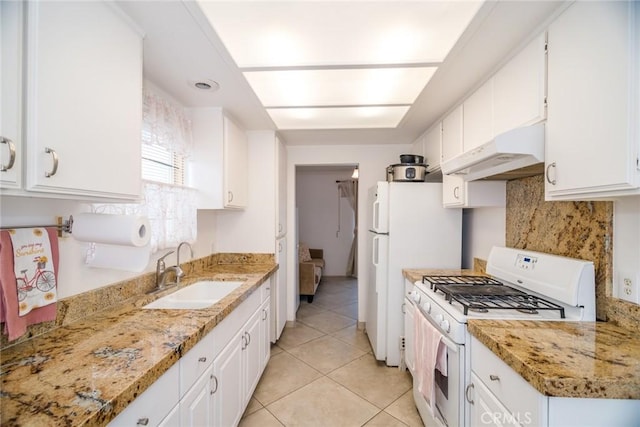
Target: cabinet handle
(229, 196)
(547, 173)
(279, 227)
(264, 314)
(12, 154)
(202, 359)
(279, 247)
(456, 192)
(248, 338)
(404, 308)
(215, 379)
(142, 422)
(55, 162)
(494, 377)
(466, 393)
(244, 341)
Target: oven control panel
(526, 262)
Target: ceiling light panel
(337, 118)
(328, 33)
(304, 88)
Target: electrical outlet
(629, 288)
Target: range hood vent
(509, 151)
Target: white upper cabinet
(219, 167)
(458, 193)
(11, 147)
(432, 143)
(83, 100)
(478, 117)
(519, 89)
(281, 189)
(593, 131)
(452, 134)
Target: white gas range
(524, 285)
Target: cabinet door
(83, 100)
(279, 302)
(593, 88)
(519, 88)
(236, 166)
(228, 396)
(478, 117)
(452, 134)
(432, 144)
(11, 147)
(196, 407)
(281, 189)
(265, 342)
(173, 419)
(252, 353)
(486, 409)
(453, 188)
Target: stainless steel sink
(200, 294)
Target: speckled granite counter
(567, 359)
(85, 373)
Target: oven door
(449, 405)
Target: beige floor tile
(293, 336)
(328, 322)
(354, 336)
(261, 418)
(323, 403)
(283, 374)
(306, 310)
(327, 300)
(405, 410)
(326, 353)
(275, 349)
(373, 380)
(385, 420)
(350, 310)
(252, 407)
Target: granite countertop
(415, 274)
(87, 372)
(567, 359)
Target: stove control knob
(427, 307)
(439, 318)
(415, 296)
(445, 326)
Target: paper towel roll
(124, 230)
(127, 258)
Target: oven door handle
(446, 341)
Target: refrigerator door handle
(375, 251)
(376, 215)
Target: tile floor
(322, 371)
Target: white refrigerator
(409, 229)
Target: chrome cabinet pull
(456, 192)
(248, 338)
(547, 173)
(12, 154)
(142, 422)
(55, 162)
(264, 312)
(494, 377)
(215, 379)
(229, 196)
(466, 393)
(202, 359)
(244, 341)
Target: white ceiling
(181, 47)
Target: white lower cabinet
(212, 383)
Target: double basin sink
(201, 294)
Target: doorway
(326, 206)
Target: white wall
(74, 277)
(482, 228)
(325, 220)
(372, 161)
(626, 245)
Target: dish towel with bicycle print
(14, 325)
(35, 275)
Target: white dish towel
(430, 354)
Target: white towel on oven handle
(430, 354)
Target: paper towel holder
(63, 226)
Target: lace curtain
(171, 209)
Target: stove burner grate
(436, 281)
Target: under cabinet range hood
(515, 149)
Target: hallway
(322, 371)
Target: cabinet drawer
(154, 404)
(196, 361)
(506, 384)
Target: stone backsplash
(574, 229)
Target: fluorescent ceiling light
(327, 33)
(337, 118)
(381, 86)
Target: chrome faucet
(179, 276)
(162, 270)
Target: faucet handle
(161, 259)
